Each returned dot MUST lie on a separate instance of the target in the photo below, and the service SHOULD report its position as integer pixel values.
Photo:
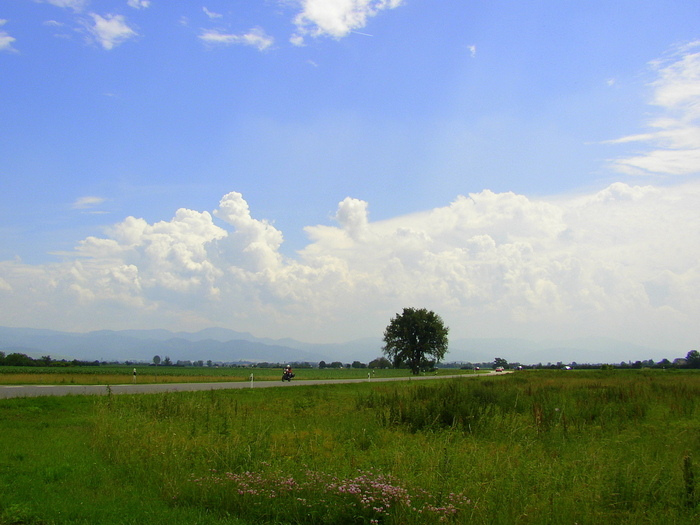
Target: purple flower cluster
(375, 492)
(368, 497)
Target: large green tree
(416, 338)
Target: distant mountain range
(223, 345)
(215, 344)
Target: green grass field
(531, 447)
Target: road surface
(79, 390)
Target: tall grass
(50, 473)
(532, 447)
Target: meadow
(567, 447)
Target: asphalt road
(79, 390)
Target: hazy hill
(142, 345)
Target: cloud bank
(621, 262)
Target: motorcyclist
(287, 374)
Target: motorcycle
(287, 375)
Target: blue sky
(290, 168)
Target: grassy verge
(534, 447)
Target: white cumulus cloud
(352, 215)
(254, 244)
(153, 260)
(111, 30)
(336, 18)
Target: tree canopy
(416, 338)
(693, 359)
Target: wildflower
(373, 495)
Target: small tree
(380, 362)
(413, 337)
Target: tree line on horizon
(690, 361)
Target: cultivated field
(531, 447)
